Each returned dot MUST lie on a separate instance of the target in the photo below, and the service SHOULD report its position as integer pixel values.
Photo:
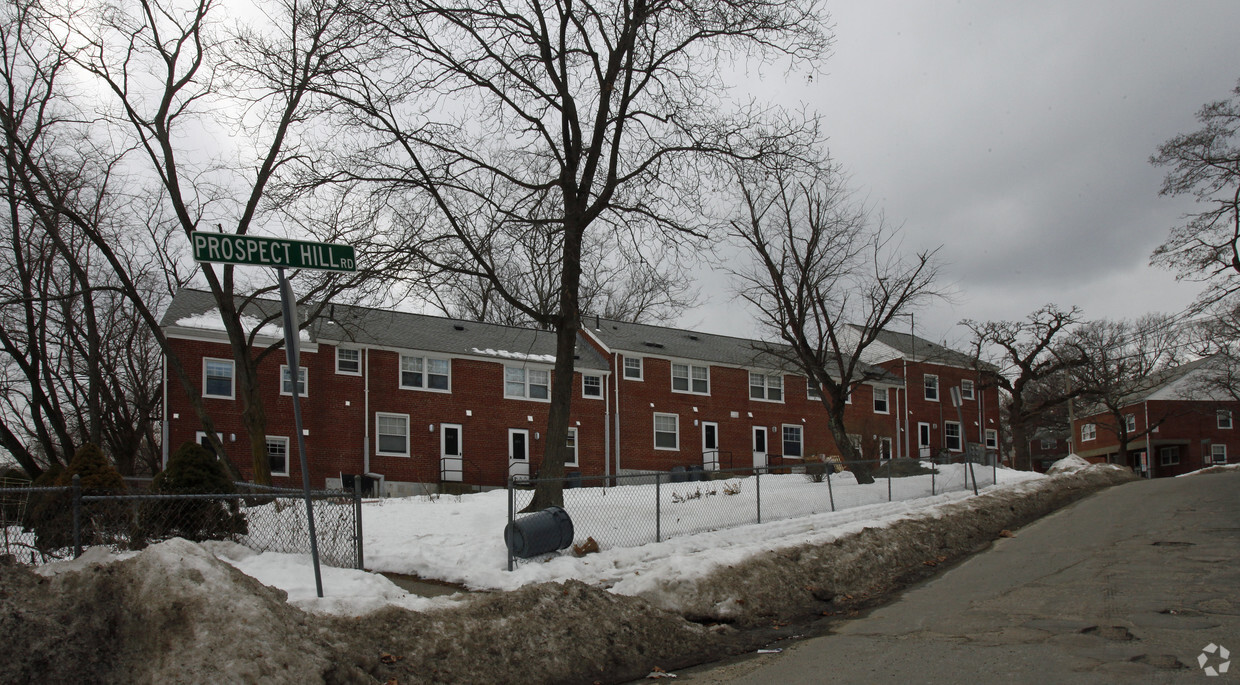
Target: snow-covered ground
(459, 539)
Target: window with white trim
(277, 455)
(529, 384)
(667, 431)
(884, 448)
(931, 384)
(966, 389)
(1224, 419)
(1049, 443)
(570, 457)
(592, 386)
(812, 393)
(217, 378)
(1130, 423)
(348, 361)
(392, 434)
(769, 387)
(923, 435)
(1218, 454)
(880, 401)
(1169, 455)
(992, 439)
(425, 373)
(633, 368)
(951, 436)
(690, 378)
(793, 440)
(286, 381)
(1089, 431)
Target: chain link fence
(41, 525)
(635, 509)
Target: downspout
(163, 424)
(606, 432)
(615, 368)
(896, 453)
(1149, 448)
(366, 410)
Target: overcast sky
(1017, 136)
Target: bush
(52, 513)
(192, 470)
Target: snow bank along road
(182, 612)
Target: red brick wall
(1191, 427)
(938, 413)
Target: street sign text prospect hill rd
(280, 253)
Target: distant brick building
(420, 400)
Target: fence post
(511, 516)
(357, 521)
(830, 492)
(658, 506)
(971, 473)
(888, 480)
(77, 516)
(934, 471)
(757, 476)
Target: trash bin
(695, 473)
(678, 474)
(546, 531)
(574, 479)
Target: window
(992, 439)
(633, 368)
(792, 441)
(1169, 456)
(666, 432)
(1130, 423)
(592, 386)
(690, 378)
(570, 459)
(1049, 443)
(277, 455)
(766, 387)
(425, 373)
(217, 378)
(393, 434)
(348, 361)
(931, 384)
(530, 384)
(951, 435)
(966, 389)
(286, 382)
(812, 393)
(1224, 419)
(1089, 431)
(880, 401)
(1218, 454)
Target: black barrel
(678, 474)
(546, 531)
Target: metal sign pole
(292, 353)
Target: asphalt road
(1127, 585)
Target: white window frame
(378, 436)
(1089, 431)
(923, 434)
(358, 372)
(303, 380)
(232, 378)
(572, 445)
(277, 439)
(800, 441)
(1218, 450)
(675, 432)
(689, 378)
(886, 396)
(769, 381)
(199, 436)
(926, 386)
(948, 438)
(1050, 443)
(886, 448)
(992, 439)
(966, 389)
(597, 378)
(639, 366)
(1169, 455)
(811, 393)
(1224, 419)
(1130, 423)
(526, 382)
(425, 373)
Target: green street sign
(277, 252)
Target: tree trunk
(848, 451)
(254, 417)
(1020, 445)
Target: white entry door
(518, 453)
(451, 463)
(759, 446)
(710, 445)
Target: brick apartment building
(1192, 418)
(419, 400)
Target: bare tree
(825, 280)
(566, 119)
(1120, 360)
(1206, 165)
(1032, 360)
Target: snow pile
(1069, 464)
(211, 320)
(1220, 468)
(525, 356)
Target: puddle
(423, 587)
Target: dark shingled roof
(921, 349)
(401, 330)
